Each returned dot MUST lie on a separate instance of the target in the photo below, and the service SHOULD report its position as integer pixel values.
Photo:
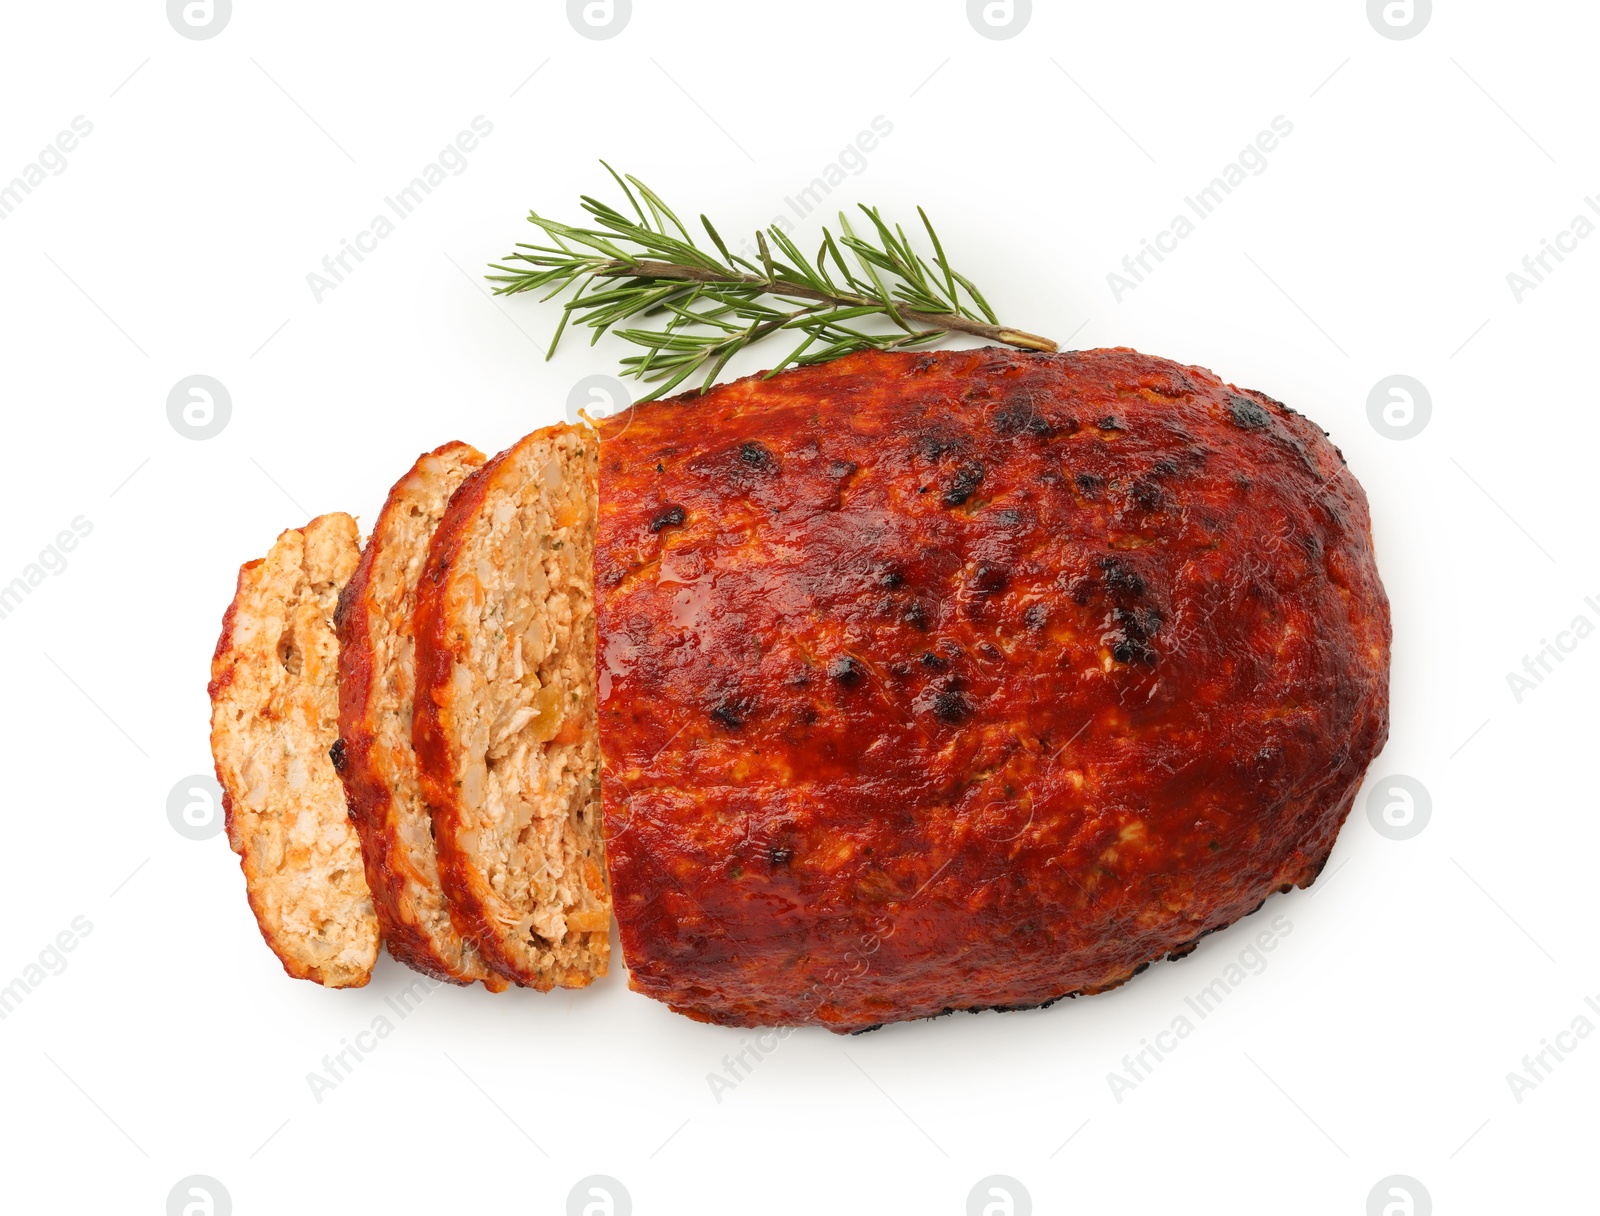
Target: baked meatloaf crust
(374, 756)
(274, 717)
(504, 726)
(971, 679)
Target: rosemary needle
(711, 303)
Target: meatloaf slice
(377, 680)
(505, 712)
(274, 717)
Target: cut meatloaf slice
(274, 716)
(505, 712)
(377, 680)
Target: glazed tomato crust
(971, 679)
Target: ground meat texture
(274, 737)
(969, 680)
(503, 726)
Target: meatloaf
(969, 680)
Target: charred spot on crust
(951, 706)
(669, 517)
(1146, 494)
(337, 755)
(729, 713)
(933, 444)
(1130, 639)
(778, 856)
(739, 468)
(962, 486)
(1089, 484)
(1131, 652)
(1121, 578)
(1036, 617)
(990, 579)
(1170, 383)
(1140, 624)
(1247, 413)
(916, 616)
(891, 578)
(1109, 423)
(1009, 518)
(1018, 417)
(929, 659)
(846, 670)
(841, 470)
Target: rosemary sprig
(717, 303)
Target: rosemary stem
(647, 265)
(650, 269)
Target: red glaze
(970, 679)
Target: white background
(177, 241)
